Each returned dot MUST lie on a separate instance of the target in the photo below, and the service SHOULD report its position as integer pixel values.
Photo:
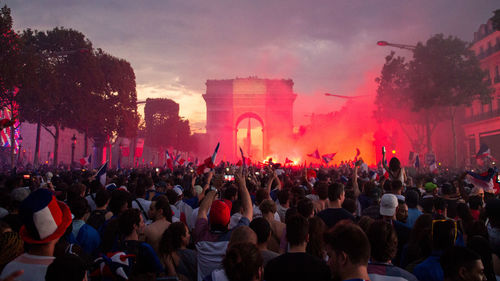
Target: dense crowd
(247, 223)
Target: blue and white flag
(101, 174)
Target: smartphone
(27, 176)
(498, 178)
(257, 173)
(157, 170)
(229, 177)
(383, 149)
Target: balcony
(489, 52)
(483, 116)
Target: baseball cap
(220, 213)
(388, 205)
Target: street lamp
(20, 141)
(401, 46)
(73, 144)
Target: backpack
(97, 218)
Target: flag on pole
(315, 154)
(288, 161)
(328, 157)
(433, 167)
(242, 156)
(169, 163)
(215, 152)
(417, 162)
(484, 152)
(86, 160)
(101, 173)
(208, 164)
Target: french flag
(328, 157)
(483, 180)
(433, 167)
(357, 154)
(315, 154)
(86, 160)
(101, 173)
(170, 163)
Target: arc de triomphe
(269, 101)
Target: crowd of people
(265, 223)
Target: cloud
(323, 45)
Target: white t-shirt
(35, 267)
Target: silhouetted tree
(496, 19)
(443, 75)
(164, 127)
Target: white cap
(388, 205)
(178, 191)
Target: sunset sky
(324, 46)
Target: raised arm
(205, 204)
(206, 186)
(355, 185)
(246, 201)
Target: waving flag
(315, 154)
(170, 163)
(101, 174)
(483, 180)
(242, 156)
(417, 162)
(288, 161)
(328, 157)
(86, 160)
(208, 164)
(357, 154)
(484, 152)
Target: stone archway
(229, 101)
(242, 117)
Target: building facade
(482, 121)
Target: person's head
(316, 245)
(297, 230)
(242, 234)
(305, 207)
(475, 202)
(336, 192)
(262, 229)
(444, 234)
(493, 212)
(350, 205)
(402, 212)
(383, 241)
(394, 164)
(69, 267)
(243, 262)
(267, 207)
(230, 193)
(397, 186)
(322, 190)
(412, 198)
(220, 215)
(348, 249)
(427, 204)
(11, 246)
(461, 263)
(119, 201)
(79, 207)
(175, 237)
(131, 222)
(440, 206)
(283, 196)
(388, 205)
(102, 198)
(160, 208)
(260, 195)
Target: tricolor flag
(483, 180)
(315, 154)
(101, 174)
(328, 157)
(86, 160)
(484, 152)
(208, 164)
(374, 176)
(169, 162)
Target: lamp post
(20, 141)
(73, 144)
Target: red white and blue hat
(44, 218)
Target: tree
(164, 127)
(444, 74)
(394, 103)
(496, 19)
(10, 72)
(61, 64)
